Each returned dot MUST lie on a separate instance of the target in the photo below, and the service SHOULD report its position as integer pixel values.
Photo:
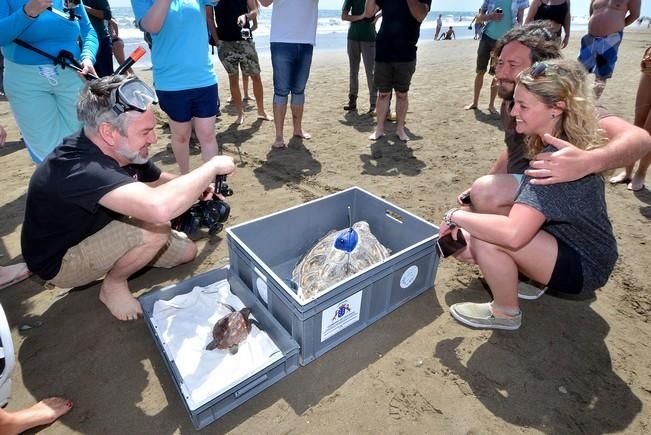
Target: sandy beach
(573, 367)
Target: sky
(579, 7)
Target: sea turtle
(232, 329)
(325, 265)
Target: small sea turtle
(325, 265)
(231, 330)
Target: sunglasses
(133, 94)
(538, 70)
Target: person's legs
(494, 194)
(642, 119)
(484, 50)
(104, 57)
(118, 51)
(402, 105)
(281, 62)
(493, 95)
(368, 56)
(245, 88)
(43, 101)
(500, 267)
(382, 108)
(236, 97)
(205, 130)
(402, 81)
(354, 57)
(383, 82)
(44, 412)
(300, 74)
(180, 138)
(250, 67)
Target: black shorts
(567, 276)
(484, 52)
(394, 75)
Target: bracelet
(448, 218)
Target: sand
(574, 366)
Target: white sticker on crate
(262, 289)
(341, 315)
(409, 276)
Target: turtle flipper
(212, 345)
(233, 349)
(230, 307)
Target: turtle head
(246, 312)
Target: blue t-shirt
(48, 32)
(179, 55)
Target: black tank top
(226, 13)
(554, 13)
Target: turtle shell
(230, 330)
(324, 265)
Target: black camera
(246, 34)
(209, 214)
(499, 11)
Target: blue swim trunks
(599, 53)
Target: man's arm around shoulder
(160, 202)
(418, 9)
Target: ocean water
(331, 30)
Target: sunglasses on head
(133, 94)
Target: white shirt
(294, 21)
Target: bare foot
(472, 106)
(303, 135)
(44, 412)
(377, 134)
(247, 98)
(279, 144)
(240, 119)
(265, 116)
(620, 178)
(636, 184)
(493, 110)
(119, 300)
(402, 135)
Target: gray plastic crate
(245, 390)
(264, 251)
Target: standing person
(558, 235)
(361, 43)
(41, 95)
(642, 119)
(599, 46)
(118, 43)
(293, 36)
(184, 77)
(478, 25)
(439, 24)
(557, 12)
(99, 12)
(236, 49)
(395, 56)
(500, 16)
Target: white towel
(184, 325)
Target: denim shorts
(291, 64)
(182, 106)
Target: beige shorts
(94, 256)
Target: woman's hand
(33, 8)
(87, 68)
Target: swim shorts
(239, 54)
(599, 53)
(394, 75)
(182, 106)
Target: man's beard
(133, 157)
(505, 89)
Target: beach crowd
(98, 208)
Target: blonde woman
(558, 235)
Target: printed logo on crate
(340, 315)
(409, 276)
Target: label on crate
(341, 315)
(261, 285)
(409, 276)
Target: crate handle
(393, 215)
(250, 386)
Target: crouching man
(98, 207)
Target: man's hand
(464, 198)
(224, 165)
(208, 193)
(569, 163)
(241, 20)
(3, 135)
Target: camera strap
(64, 59)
